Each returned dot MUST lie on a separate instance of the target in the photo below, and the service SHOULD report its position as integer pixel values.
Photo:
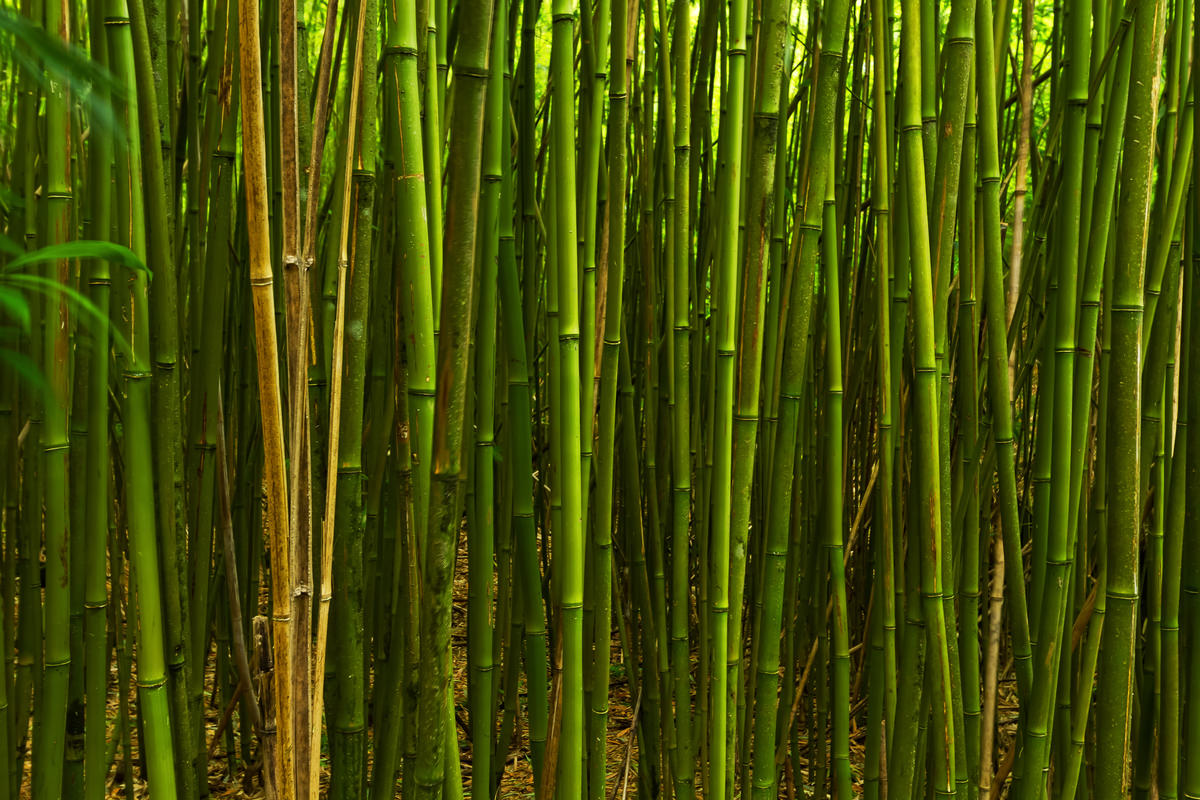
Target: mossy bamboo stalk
(1116, 661)
(349, 723)
(466, 140)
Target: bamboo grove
(561, 399)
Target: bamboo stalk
(274, 474)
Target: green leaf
(89, 310)
(26, 369)
(13, 304)
(10, 199)
(10, 247)
(47, 61)
(81, 248)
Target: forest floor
(227, 777)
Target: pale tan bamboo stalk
(991, 670)
(1021, 188)
(254, 152)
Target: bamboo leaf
(14, 305)
(89, 310)
(45, 59)
(82, 248)
(26, 369)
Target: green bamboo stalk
(8, 607)
(1115, 691)
(50, 696)
(524, 527)
(925, 403)
(1061, 545)
(96, 489)
(137, 470)
(1189, 782)
(436, 745)
(882, 676)
(881, 208)
(974, 541)
(594, 34)
(147, 43)
(999, 384)
(959, 55)
(833, 539)
(415, 256)
(568, 552)
(759, 224)
(78, 436)
(1170, 216)
(681, 453)
(210, 310)
(723, 535)
(748, 289)
(348, 726)
(7, 779)
(117, 546)
(602, 569)
(29, 633)
(1169, 749)
(432, 138)
(481, 537)
(800, 283)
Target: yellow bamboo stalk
(274, 476)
